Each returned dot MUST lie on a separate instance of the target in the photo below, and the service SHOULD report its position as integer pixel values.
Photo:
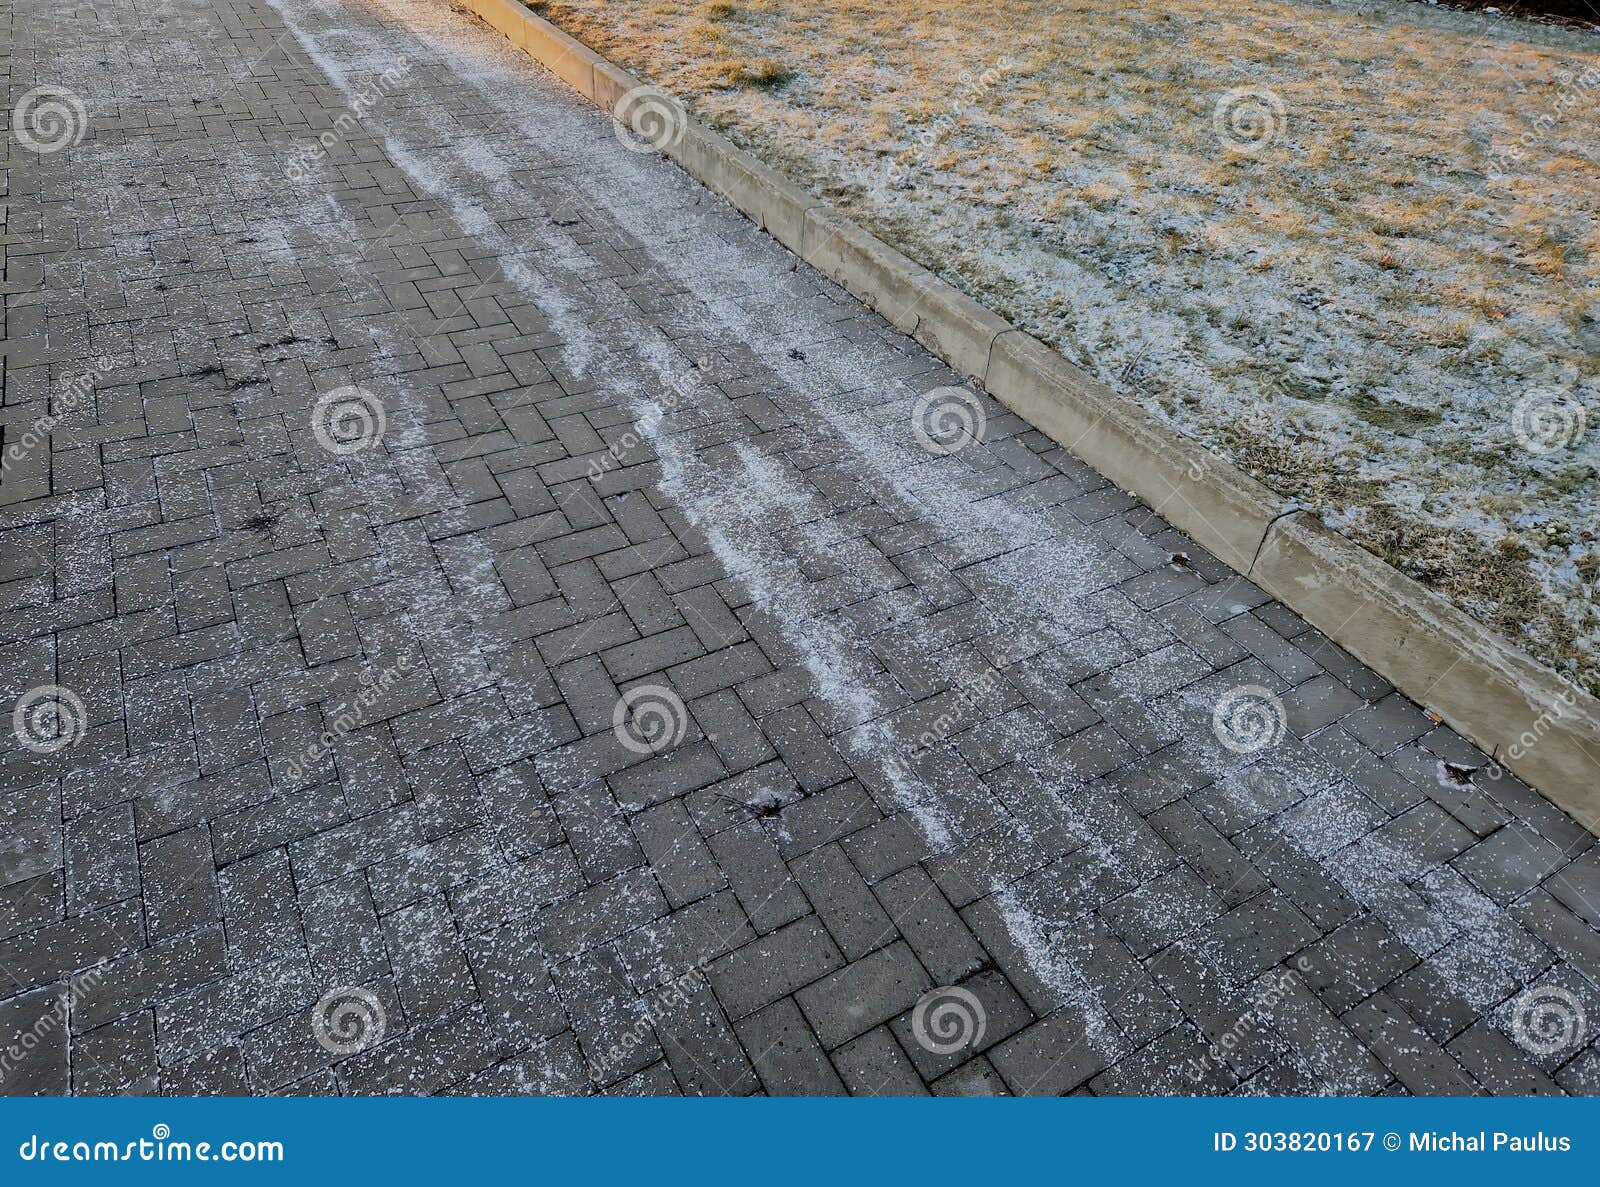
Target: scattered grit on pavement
(1351, 245)
(481, 619)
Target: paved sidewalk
(486, 621)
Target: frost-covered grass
(1348, 294)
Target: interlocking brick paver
(1498, 1064)
(519, 994)
(348, 719)
(701, 1047)
(935, 932)
(1577, 886)
(861, 995)
(36, 1015)
(1053, 1056)
(875, 1065)
(677, 853)
(765, 888)
(786, 1055)
(602, 912)
(118, 1059)
(773, 966)
(841, 897)
(1422, 1066)
(1004, 1014)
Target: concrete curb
(1224, 509)
(1526, 716)
(1522, 713)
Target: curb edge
(1480, 683)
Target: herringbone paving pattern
(352, 811)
